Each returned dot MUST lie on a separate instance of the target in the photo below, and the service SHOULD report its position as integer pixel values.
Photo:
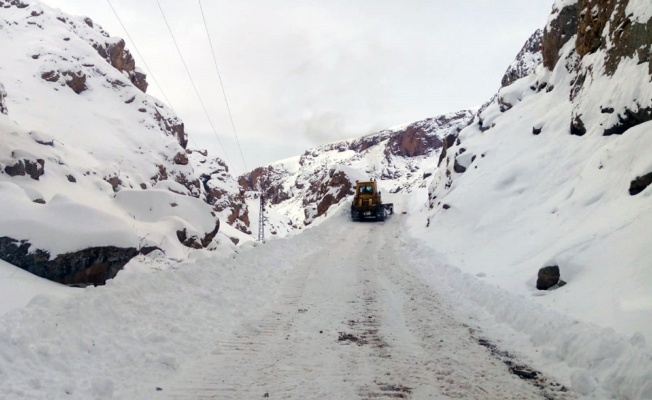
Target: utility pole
(261, 219)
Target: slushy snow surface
(270, 319)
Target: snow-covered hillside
(93, 171)
(302, 189)
(554, 172)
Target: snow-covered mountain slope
(554, 172)
(301, 189)
(92, 169)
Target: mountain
(554, 170)
(301, 189)
(88, 156)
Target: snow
(641, 10)
(19, 287)
(181, 315)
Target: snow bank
(126, 338)
(578, 353)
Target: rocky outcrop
(562, 28)
(605, 29)
(265, 179)
(526, 61)
(92, 266)
(35, 168)
(640, 184)
(173, 126)
(196, 242)
(414, 141)
(548, 277)
(325, 193)
(121, 59)
(3, 105)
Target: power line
(192, 81)
(235, 133)
(139, 55)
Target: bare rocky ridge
(527, 59)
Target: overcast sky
(299, 74)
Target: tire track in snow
(351, 322)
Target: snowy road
(351, 321)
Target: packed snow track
(350, 321)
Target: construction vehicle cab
(367, 203)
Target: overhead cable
(139, 55)
(192, 81)
(226, 101)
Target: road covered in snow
(351, 321)
(341, 311)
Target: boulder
(640, 184)
(34, 168)
(548, 277)
(91, 266)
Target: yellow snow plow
(367, 203)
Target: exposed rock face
(195, 242)
(91, 266)
(603, 28)
(526, 61)
(558, 32)
(34, 168)
(222, 191)
(265, 179)
(3, 95)
(640, 184)
(548, 277)
(326, 192)
(414, 141)
(122, 60)
(76, 80)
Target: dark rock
(208, 238)
(558, 33)
(3, 105)
(76, 81)
(71, 179)
(121, 59)
(181, 159)
(173, 127)
(234, 240)
(414, 141)
(459, 168)
(34, 168)
(89, 266)
(39, 201)
(577, 126)
(522, 66)
(536, 131)
(548, 277)
(114, 181)
(640, 184)
(51, 76)
(192, 241)
(445, 206)
(629, 119)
